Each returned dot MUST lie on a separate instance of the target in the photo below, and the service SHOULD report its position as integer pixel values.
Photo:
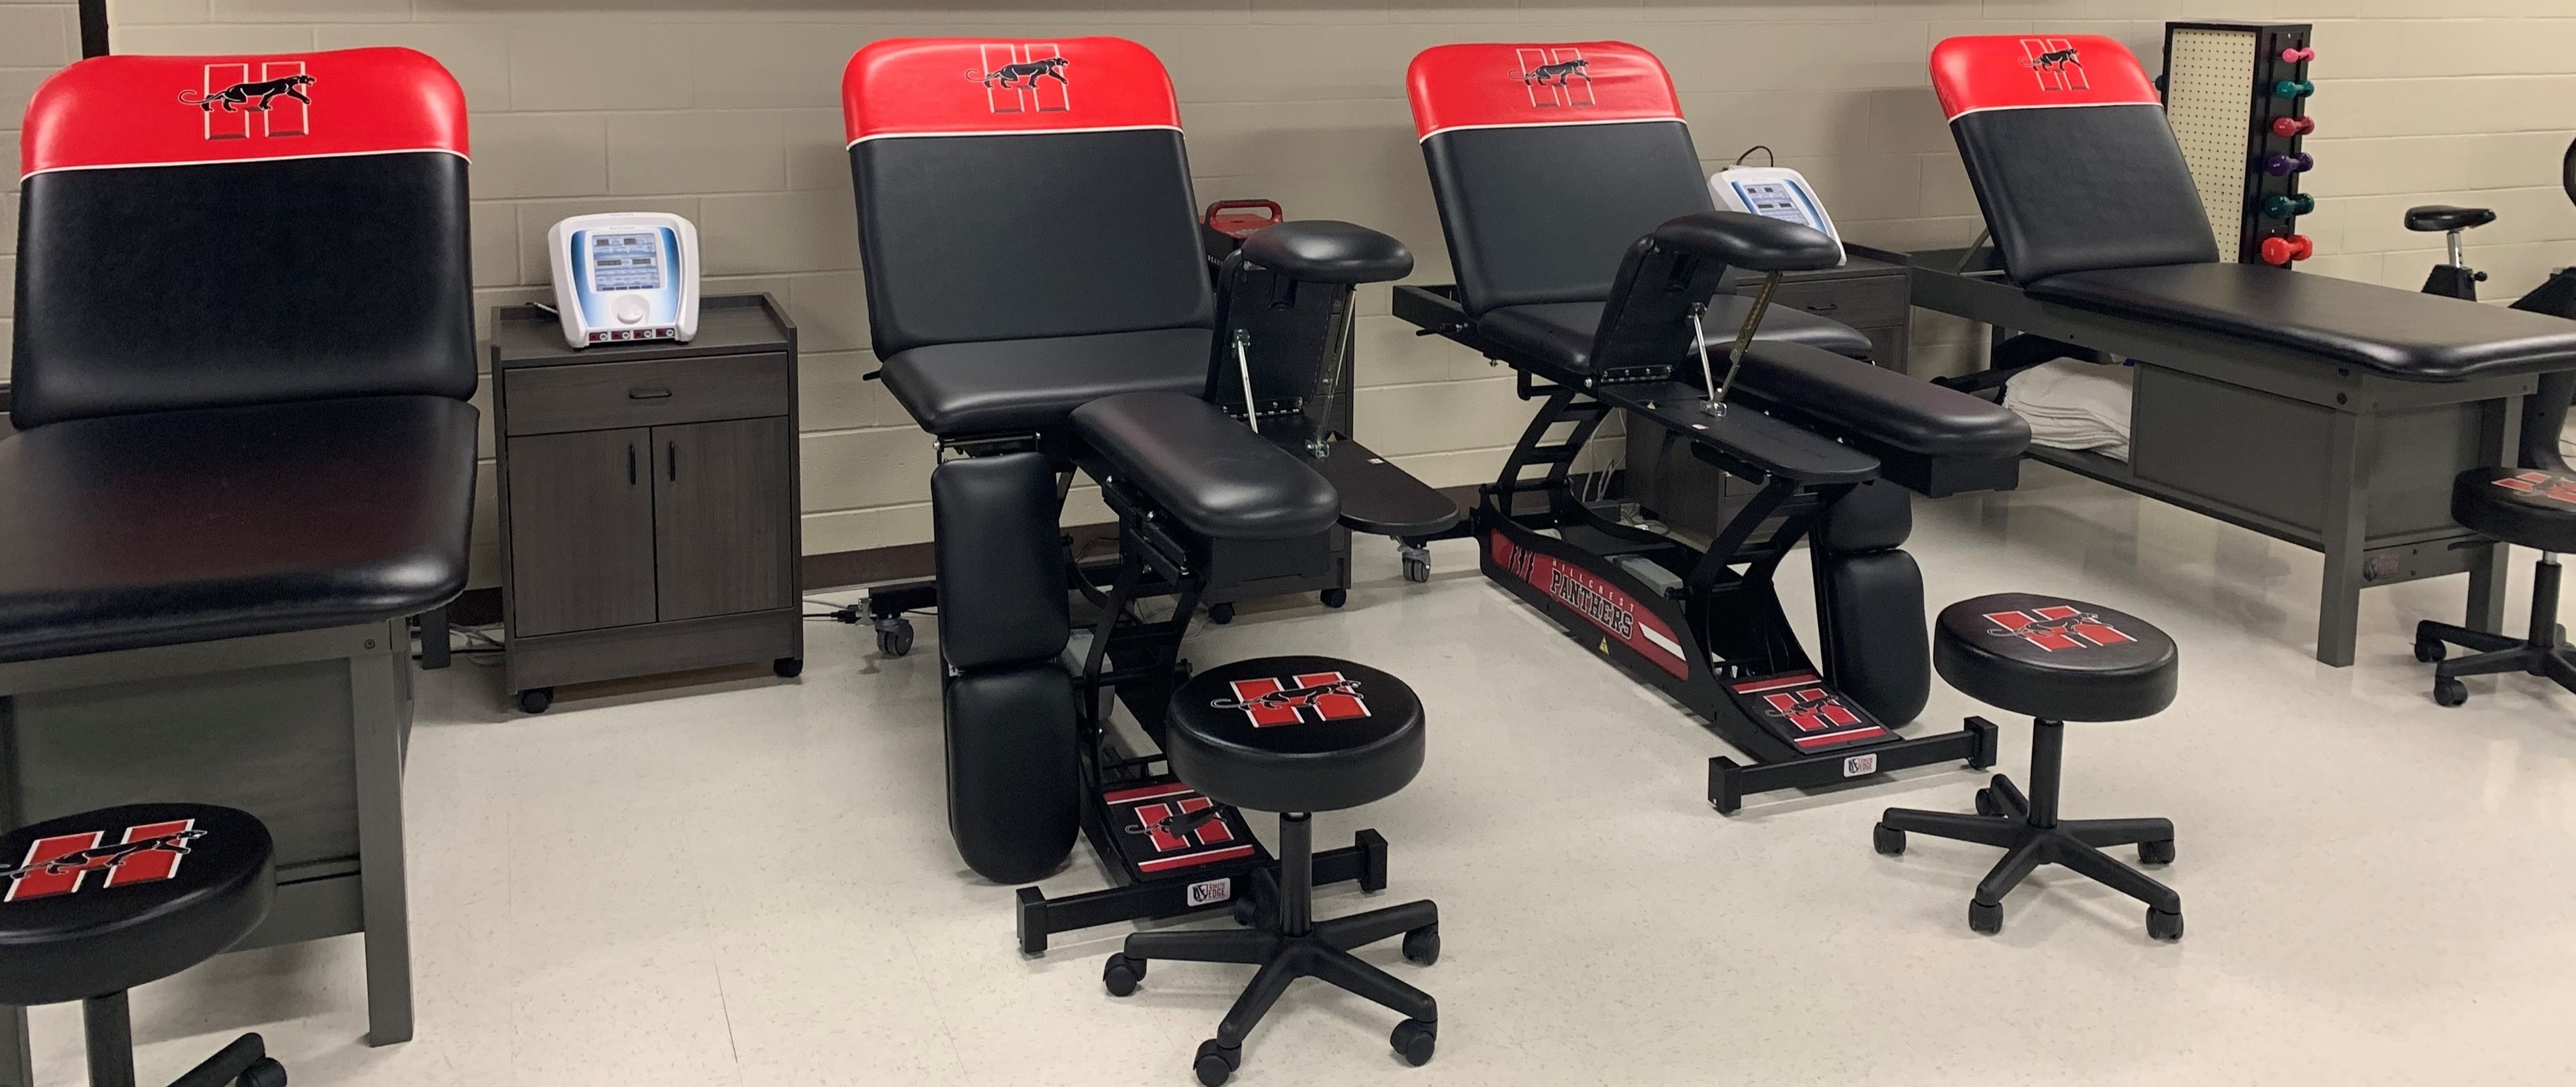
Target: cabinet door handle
(674, 449)
(648, 394)
(630, 464)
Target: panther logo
(2054, 60)
(1009, 75)
(1556, 74)
(240, 94)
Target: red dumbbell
(2282, 251)
(2292, 127)
(2296, 55)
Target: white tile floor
(751, 882)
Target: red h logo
(2056, 627)
(1557, 77)
(276, 97)
(1024, 78)
(1270, 702)
(2542, 484)
(1812, 709)
(1156, 819)
(2056, 63)
(60, 865)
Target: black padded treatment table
(2323, 412)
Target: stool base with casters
(2544, 652)
(2030, 834)
(2534, 508)
(110, 1036)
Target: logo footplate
(1163, 828)
(1798, 709)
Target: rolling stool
(101, 902)
(2057, 660)
(2535, 509)
(1295, 735)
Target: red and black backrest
(1548, 161)
(208, 231)
(2067, 144)
(1014, 189)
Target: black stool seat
(2055, 658)
(2524, 506)
(1294, 734)
(107, 900)
(2433, 217)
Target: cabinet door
(721, 510)
(581, 531)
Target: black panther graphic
(1010, 74)
(240, 94)
(2055, 60)
(1557, 74)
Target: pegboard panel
(2209, 104)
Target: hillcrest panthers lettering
(1599, 602)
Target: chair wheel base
(1414, 1040)
(2450, 692)
(2156, 852)
(1216, 1063)
(1422, 945)
(1988, 919)
(2162, 925)
(1888, 840)
(266, 1073)
(1121, 974)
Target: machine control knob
(2293, 127)
(2285, 206)
(632, 310)
(2298, 55)
(2285, 165)
(2294, 88)
(2283, 250)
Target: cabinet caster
(1414, 1040)
(2162, 925)
(1988, 919)
(1422, 945)
(1220, 614)
(1334, 598)
(2449, 692)
(894, 636)
(1417, 563)
(788, 667)
(1887, 840)
(2156, 852)
(264, 1072)
(1121, 974)
(536, 699)
(1216, 1063)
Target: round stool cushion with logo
(107, 900)
(2517, 505)
(1294, 734)
(2054, 658)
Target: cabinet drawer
(1859, 302)
(612, 395)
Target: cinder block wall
(727, 113)
(35, 39)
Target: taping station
(698, 603)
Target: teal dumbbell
(2294, 88)
(2283, 207)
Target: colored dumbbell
(2283, 250)
(2294, 88)
(2292, 127)
(2296, 55)
(2285, 165)
(2283, 207)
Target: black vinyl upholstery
(2071, 190)
(1329, 251)
(158, 287)
(1545, 214)
(1001, 583)
(1886, 407)
(1354, 738)
(2403, 334)
(178, 526)
(1209, 471)
(2055, 659)
(1563, 333)
(173, 907)
(2445, 217)
(991, 386)
(2530, 507)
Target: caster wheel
(1414, 1040)
(1334, 598)
(1984, 918)
(264, 1072)
(2162, 925)
(2429, 650)
(1216, 1063)
(2156, 852)
(1121, 974)
(1250, 909)
(894, 636)
(1888, 840)
(1422, 945)
(788, 667)
(536, 699)
(2449, 692)
(1417, 571)
(1987, 804)
(1220, 614)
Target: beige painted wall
(35, 39)
(726, 113)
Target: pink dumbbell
(2296, 55)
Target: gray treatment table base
(306, 730)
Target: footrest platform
(1729, 782)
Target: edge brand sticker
(1209, 892)
(1860, 765)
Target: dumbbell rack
(2237, 95)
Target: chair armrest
(1210, 472)
(1887, 408)
(1329, 251)
(1749, 241)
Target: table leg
(2347, 518)
(17, 1060)
(376, 712)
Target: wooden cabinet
(648, 492)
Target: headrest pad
(1497, 85)
(169, 111)
(2005, 71)
(987, 87)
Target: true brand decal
(61, 864)
(1602, 604)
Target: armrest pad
(1900, 412)
(1749, 241)
(1329, 251)
(1211, 473)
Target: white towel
(2074, 405)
